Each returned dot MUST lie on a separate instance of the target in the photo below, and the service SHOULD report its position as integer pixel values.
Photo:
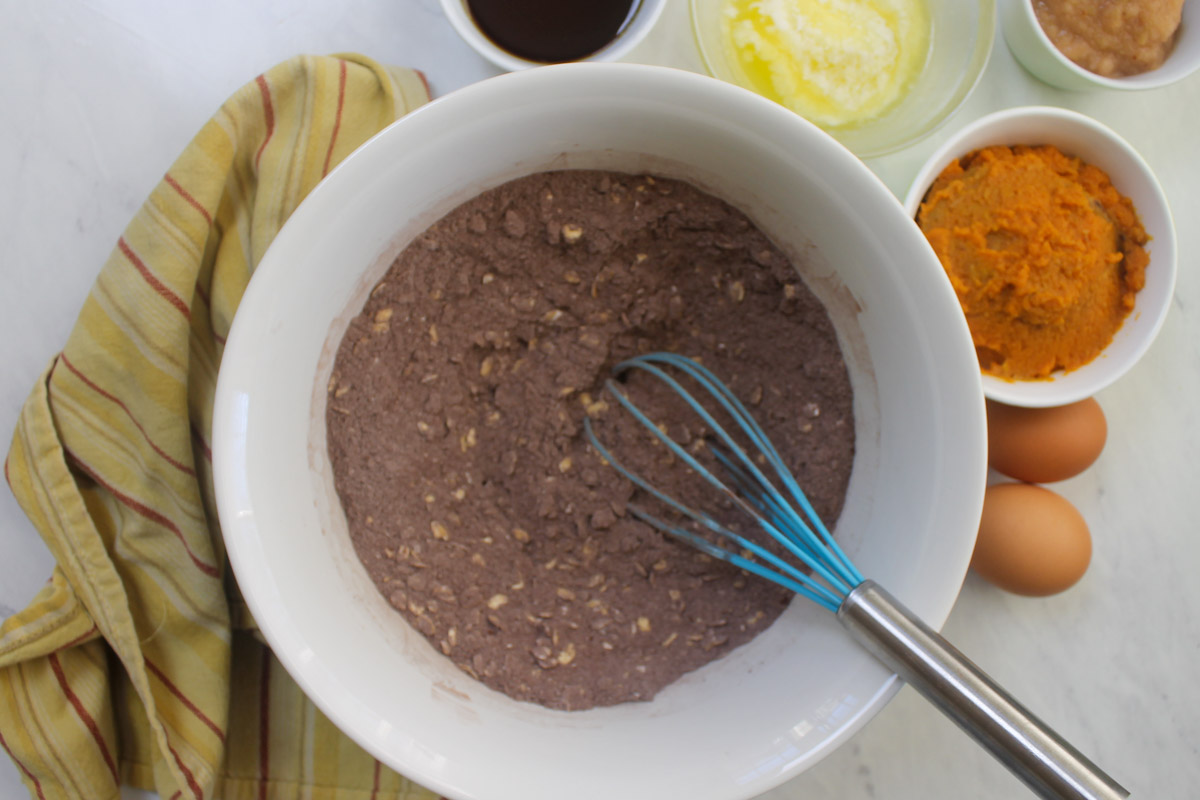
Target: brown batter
(455, 435)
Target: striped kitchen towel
(137, 662)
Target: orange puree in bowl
(1044, 254)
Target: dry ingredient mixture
(1113, 38)
(454, 420)
(1046, 256)
(835, 62)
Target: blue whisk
(1050, 766)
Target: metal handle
(1050, 766)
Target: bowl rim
(977, 64)
(1151, 79)
(229, 419)
(1049, 393)
(645, 17)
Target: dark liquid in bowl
(552, 30)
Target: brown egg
(1031, 541)
(1044, 445)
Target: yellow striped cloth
(137, 662)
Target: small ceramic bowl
(1033, 48)
(645, 13)
(960, 44)
(1081, 136)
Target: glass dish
(960, 42)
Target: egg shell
(1045, 445)
(1031, 541)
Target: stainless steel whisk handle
(1050, 766)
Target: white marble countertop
(100, 96)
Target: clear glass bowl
(960, 42)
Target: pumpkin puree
(1045, 254)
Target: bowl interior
(960, 44)
(1076, 134)
(740, 725)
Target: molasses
(552, 31)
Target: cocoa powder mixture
(455, 429)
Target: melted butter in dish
(834, 62)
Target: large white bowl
(740, 725)
(1083, 137)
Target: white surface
(100, 98)
(912, 506)
(1096, 144)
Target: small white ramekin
(1085, 138)
(1033, 48)
(644, 17)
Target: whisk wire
(713, 384)
(738, 413)
(755, 494)
(807, 555)
(787, 520)
(823, 549)
(784, 525)
(702, 375)
(807, 585)
(798, 581)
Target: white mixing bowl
(736, 727)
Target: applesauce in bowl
(1112, 38)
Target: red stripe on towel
(187, 774)
(200, 441)
(173, 689)
(375, 783)
(193, 202)
(264, 724)
(37, 785)
(147, 512)
(268, 115)
(337, 120)
(151, 279)
(84, 716)
(81, 637)
(112, 398)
